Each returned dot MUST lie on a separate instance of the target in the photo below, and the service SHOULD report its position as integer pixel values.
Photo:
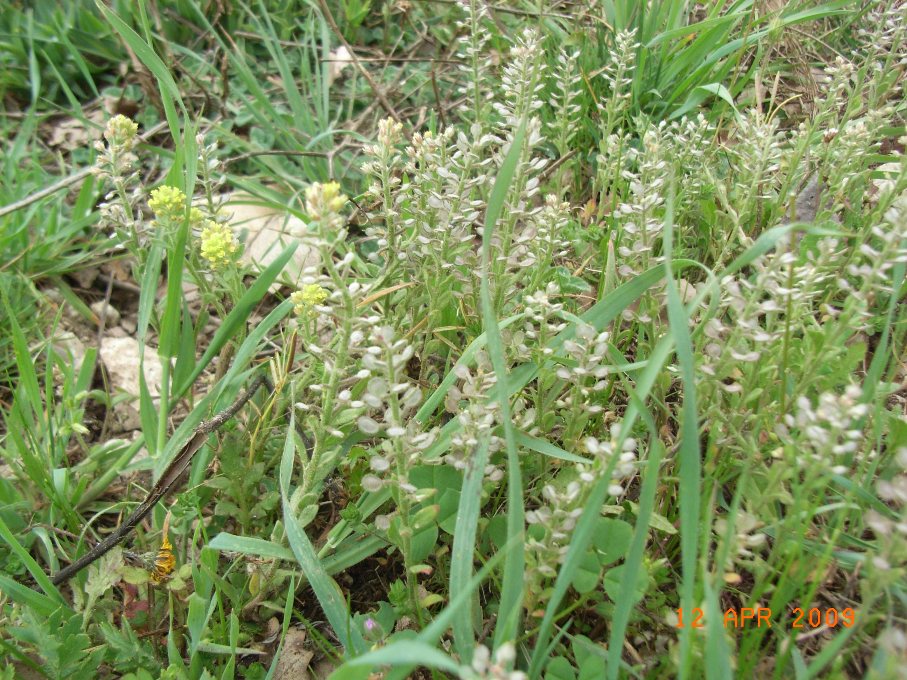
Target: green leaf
(239, 315)
(464, 544)
(423, 543)
(326, 589)
(611, 540)
(559, 669)
(169, 90)
(425, 516)
(700, 94)
(402, 652)
(431, 633)
(568, 283)
(585, 578)
(688, 454)
(582, 533)
(466, 358)
(546, 448)
(52, 594)
(621, 583)
(38, 602)
(513, 583)
(248, 545)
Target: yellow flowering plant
(218, 245)
(168, 203)
(307, 298)
(121, 132)
(323, 203)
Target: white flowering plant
(581, 336)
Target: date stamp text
(761, 617)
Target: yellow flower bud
(120, 132)
(168, 203)
(323, 203)
(218, 244)
(307, 298)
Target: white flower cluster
(885, 40)
(543, 322)
(383, 169)
(746, 540)
(604, 453)
(588, 352)
(693, 150)
(444, 170)
(484, 667)
(544, 242)
(561, 505)
(325, 306)
(871, 268)
(116, 163)
(557, 516)
(212, 178)
(618, 73)
(472, 51)
(477, 414)
(753, 311)
(565, 123)
(757, 155)
(640, 218)
(828, 430)
(891, 532)
(389, 401)
(837, 80)
(849, 150)
(522, 80)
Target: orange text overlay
(761, 617)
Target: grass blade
(633, 563)
(326, 589)
(33, 567)
(238, 316)
(688, 454)
(464, 544)
(513, 582)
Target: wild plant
(546, 468)
(472, 49)
(566, 110)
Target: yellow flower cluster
(168, 203)
(218, 244)
(323, 203)
(306, 299)
(120, 132)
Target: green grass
(605, 336)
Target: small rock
(338, 60)
(267, 232)
(294, 657)
(86, 277)
(69, 346)
(129, 324)
(107, 311)
(687, 290)
(121, 357)
(126, 418)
